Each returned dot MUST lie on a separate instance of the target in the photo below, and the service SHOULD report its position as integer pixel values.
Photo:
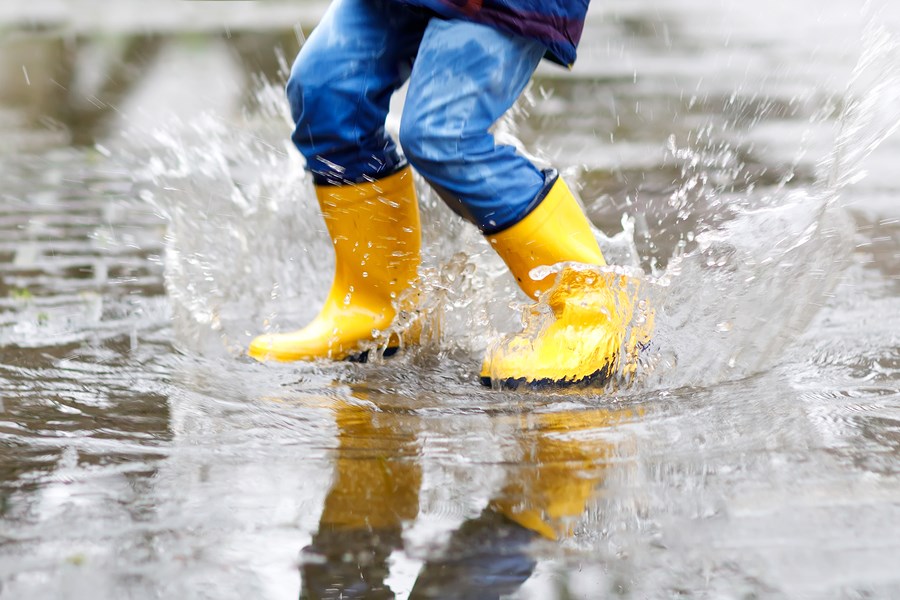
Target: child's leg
(339, 92)
(341, 84)
(465, 77)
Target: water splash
(734, 304)
(763, 256)
(235, 209)
(870, 111)
(246, 255)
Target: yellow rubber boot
(591, 311)
(375, 230)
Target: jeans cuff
(550, 177)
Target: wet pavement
(153, 218)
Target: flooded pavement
(153, 218)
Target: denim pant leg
(341, 84)
(465, 77)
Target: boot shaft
(375, 230)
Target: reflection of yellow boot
(565, 457)
(591, 310)
(375, 231)
(374, 492)
(376, 481)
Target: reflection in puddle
(555, 472)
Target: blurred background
(76, 73)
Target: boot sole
(363, 357)
(598, 378)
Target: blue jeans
(462, 78)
